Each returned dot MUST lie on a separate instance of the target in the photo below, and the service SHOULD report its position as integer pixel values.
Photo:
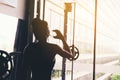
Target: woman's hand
(58, 34)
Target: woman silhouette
(39, 56)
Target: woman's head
(40, 29)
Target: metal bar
(94, 56)
(23, 37)
(43, 9)
(65, 36)
(73, 38)
(38, 8)
(67, 9)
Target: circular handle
(5, 64)
(75, 52)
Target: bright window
(8, 26)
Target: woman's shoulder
(29, 46)
(54, 46)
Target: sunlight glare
(8, 28)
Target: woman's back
(41, 59)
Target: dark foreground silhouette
(39, 56)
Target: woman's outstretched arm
(66, 52)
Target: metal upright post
(94, 56)
(73, 38)
(23, 37)
(38, 8)
(67, 9)
(65, 36)
(43, 9)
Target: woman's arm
(66, 52)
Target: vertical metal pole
(23, 37)
(67, 9)
(38, 8)
(94, 56)
(43, 9)
(73, 38)
(65, 36)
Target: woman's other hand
(58, 34)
